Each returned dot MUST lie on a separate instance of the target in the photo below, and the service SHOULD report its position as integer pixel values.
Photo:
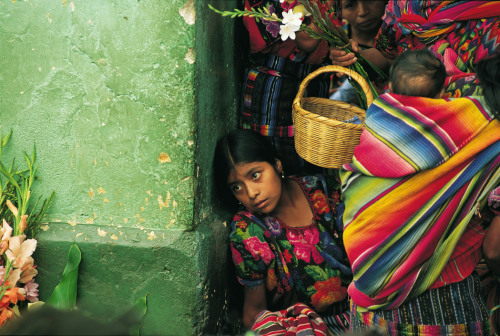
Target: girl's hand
(340, 57)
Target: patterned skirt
(457, 309)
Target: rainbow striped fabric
(423, 166)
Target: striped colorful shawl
(416, 178)
(297, 320)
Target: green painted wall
(124, 100)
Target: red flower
(11, 295)
(288, 257)
(286, 5)
(5, 314)
(320, 202)
(241, 225)
(328, 292)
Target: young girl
(285, 245)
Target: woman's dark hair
(417, 73)
(488, 73)
(240, 146)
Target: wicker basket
(320, 135)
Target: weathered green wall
(124, 100)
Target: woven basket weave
(320, 135)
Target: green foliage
(15, 186)
(64, 295)
(140, 308)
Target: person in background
(364, 19)
(460, 32)
(285, 245)
(488, 73)
(274, 72)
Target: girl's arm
(254, 303)
(491, 246)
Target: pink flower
(305, 245)
(31, 289)
(2, 274)
(237, 259)
(259, 249)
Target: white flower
(288, 31)
(292, 18)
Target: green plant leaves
(64, 295)
(140, 308)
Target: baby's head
(417, 73)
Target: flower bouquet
(325, 26)
(20, 222)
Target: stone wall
(124, 100)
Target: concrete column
(124, 100)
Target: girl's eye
(255, 175)
(235, 188)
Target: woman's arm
(340, 57)
(491, 246)
(255, 302)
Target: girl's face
(363, 15)
(257, 185)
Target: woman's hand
(340, 57)
(255, 302)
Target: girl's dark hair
(240, 146)
(488, 73)
(417, 73)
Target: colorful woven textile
(410, 192)
(471, 27)
(451, 310)
(299, 320)
(460, 32)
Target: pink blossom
(31, 289)
(2, 274)
(237, 259)
(259, 249)
(305, 245)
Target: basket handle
(335, 68)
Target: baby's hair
(241, 146)
(417, 73)
(488, 73)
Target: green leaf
(6, 139)
(316, 272)
(140, 308)
(64, 295)
(7, 174)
